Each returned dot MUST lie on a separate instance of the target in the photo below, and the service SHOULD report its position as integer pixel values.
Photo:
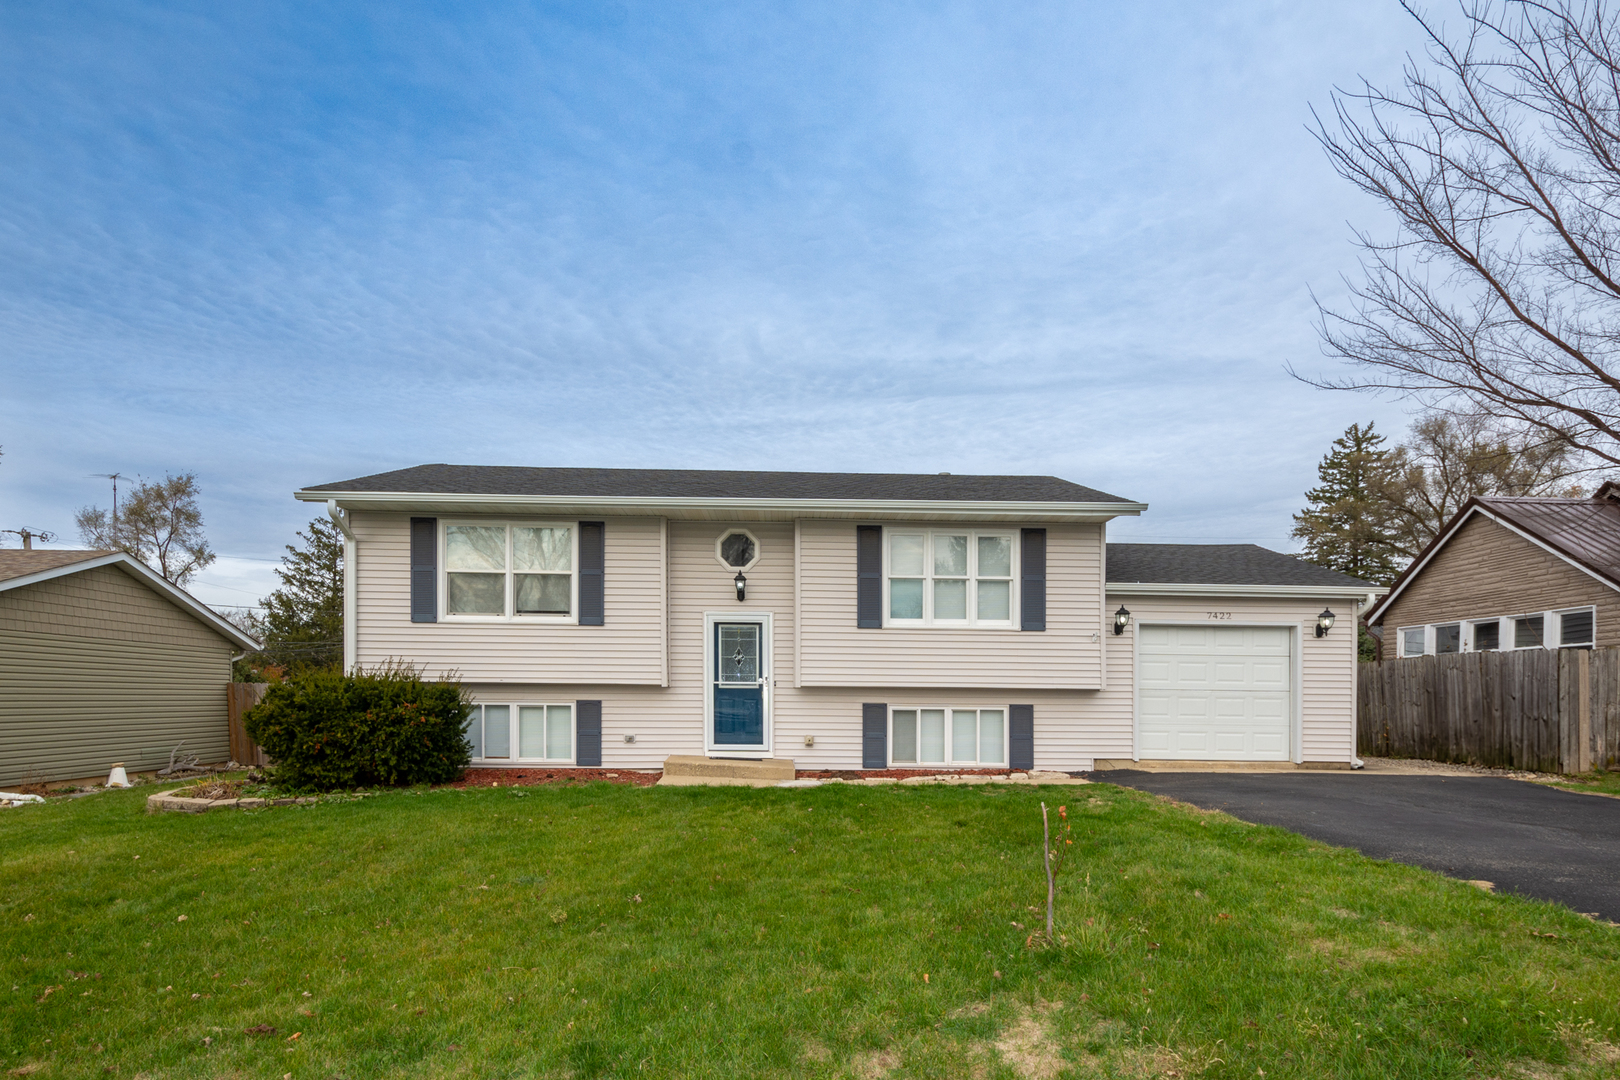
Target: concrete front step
(682, 769)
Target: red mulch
(899, 774)
(534, 777)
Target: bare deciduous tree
(1450, 458)
(158, 524)
(1500, 158)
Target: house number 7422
(1220, 614)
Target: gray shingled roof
(1217, 564)
(715, 484)
(16, 563)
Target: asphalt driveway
(1527, 839)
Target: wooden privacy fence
(239, 698)
(1541, 709)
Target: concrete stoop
(682, 770)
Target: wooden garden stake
(1051, 882)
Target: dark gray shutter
(424, 569)
(1032, 595)
(869, 577)
(588, 734)
(874, 735)
(592, 560)
(1021, 736)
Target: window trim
(948, 763)
(972, 622)
(721, 559)
(510, 616)
(1552, 632)
(514, 735)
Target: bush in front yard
(325, 730)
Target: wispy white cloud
(286, 245)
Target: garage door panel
(1214, 693)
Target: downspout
(1355, 676)
(340, 518)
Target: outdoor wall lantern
(742, 586)
(1324, 622)
(1122, 619)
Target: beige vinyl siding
(834, 652)
(670, 721)
(1486, 571)
(627, 650)
(1327, 670)
(96, 668)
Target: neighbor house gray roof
(717, 484)
(1218, 564)
(16, 563)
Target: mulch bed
(535, 777)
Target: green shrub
(325, 730)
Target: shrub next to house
(325, 730)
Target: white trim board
(729, 509)
(148, 576)
(1376, 613)
(1147, 588)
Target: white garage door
(1221, 693)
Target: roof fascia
(708, 507)
(1146, 588)
(149, 577)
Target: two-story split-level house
(614, 617)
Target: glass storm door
(739, 686)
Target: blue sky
(281, 244)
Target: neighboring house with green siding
(102, 661)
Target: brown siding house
(1511, 573)
(103, 662)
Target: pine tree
(1346, 527)
(303, 620)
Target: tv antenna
(114, 477)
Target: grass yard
(1598, 783)
(837, 931)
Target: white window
(949, 577)
(944, 736)
(1575, 628)
(1529, 632)
(1487, 635)
(522, 733)
(1412, 638)
(1448, 638)
(500, 570)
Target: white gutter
(652, 506)
(351, 552)
(1144, 588)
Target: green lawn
(836, 931)
(1601, 783)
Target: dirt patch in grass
(875, 1064)
(538, 777)
(1027, 1045)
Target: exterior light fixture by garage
(742, 586)
(1122, 619)
(1324, 622)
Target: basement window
(522, 733)
(960, 737)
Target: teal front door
(739, 687)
